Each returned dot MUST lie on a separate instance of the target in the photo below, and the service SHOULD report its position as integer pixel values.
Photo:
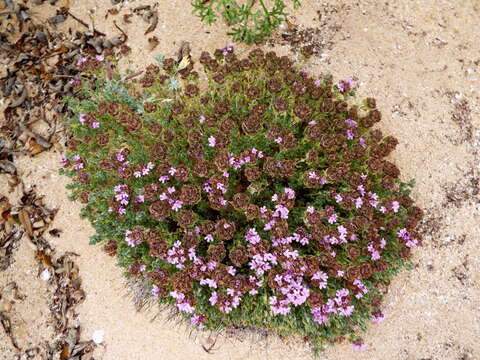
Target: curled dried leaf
(153, 22)
(153, 43)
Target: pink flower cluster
(132, 239)
(88, 120)
(345, 84)
(227, 49)
(167, 196)
(176, 255)
(78, 163)
(294, 293)
(378, 316)
(182, 303)
(407, 237)
(145, 170)
(339, 305)
(362, 289)
(122, 197)
(238, 161)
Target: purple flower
(210, 282)
(64, 162)
(198, 319)
(184, 306)
(81, 61)
(95, 125)
(209, 238)
(212, 141)
(177, 205)
(75, 82)
(213, 298)
(99, 57)
(155, 290)
(378, 316)
(322, 277)
(290, 193)
(281, 211)
(252, 236)
(395, 206)
(332, 219)
(320, 314)
(350, 134)
(202, 119)
(362, 142)
(351, 122)
(163, 179)
(81, 118)
(359, 346)
(132, 241)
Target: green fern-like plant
(250, 21)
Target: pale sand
(413, 57)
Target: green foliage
(249, 21)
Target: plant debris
(29, 219)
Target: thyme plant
(260, 199)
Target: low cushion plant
(256, 199)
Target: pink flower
(75, 82)
(281, 211)
(64, 162)
(177, 205)
(252, 236)
(332, 218)
(359, 346)
(155, 290)
(198, 319)
(163, 179)
(95, 125)
(202, 119)
(290, 193)
(99, 57)
(81, 61)
(81, 118)
(395, 206)
(362, 142)
(213, 298)
(209, 238)
(212, 141)
(378, 316)
(351, 122)
(210, 282)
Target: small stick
(85, 24)
(131, 76)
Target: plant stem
(267, 14)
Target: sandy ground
(421, 60)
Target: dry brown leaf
(126, 18)
(65, 353)
(34, 147)
(153, 23)
(44, 258)
(24, 218)
(153, 43)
